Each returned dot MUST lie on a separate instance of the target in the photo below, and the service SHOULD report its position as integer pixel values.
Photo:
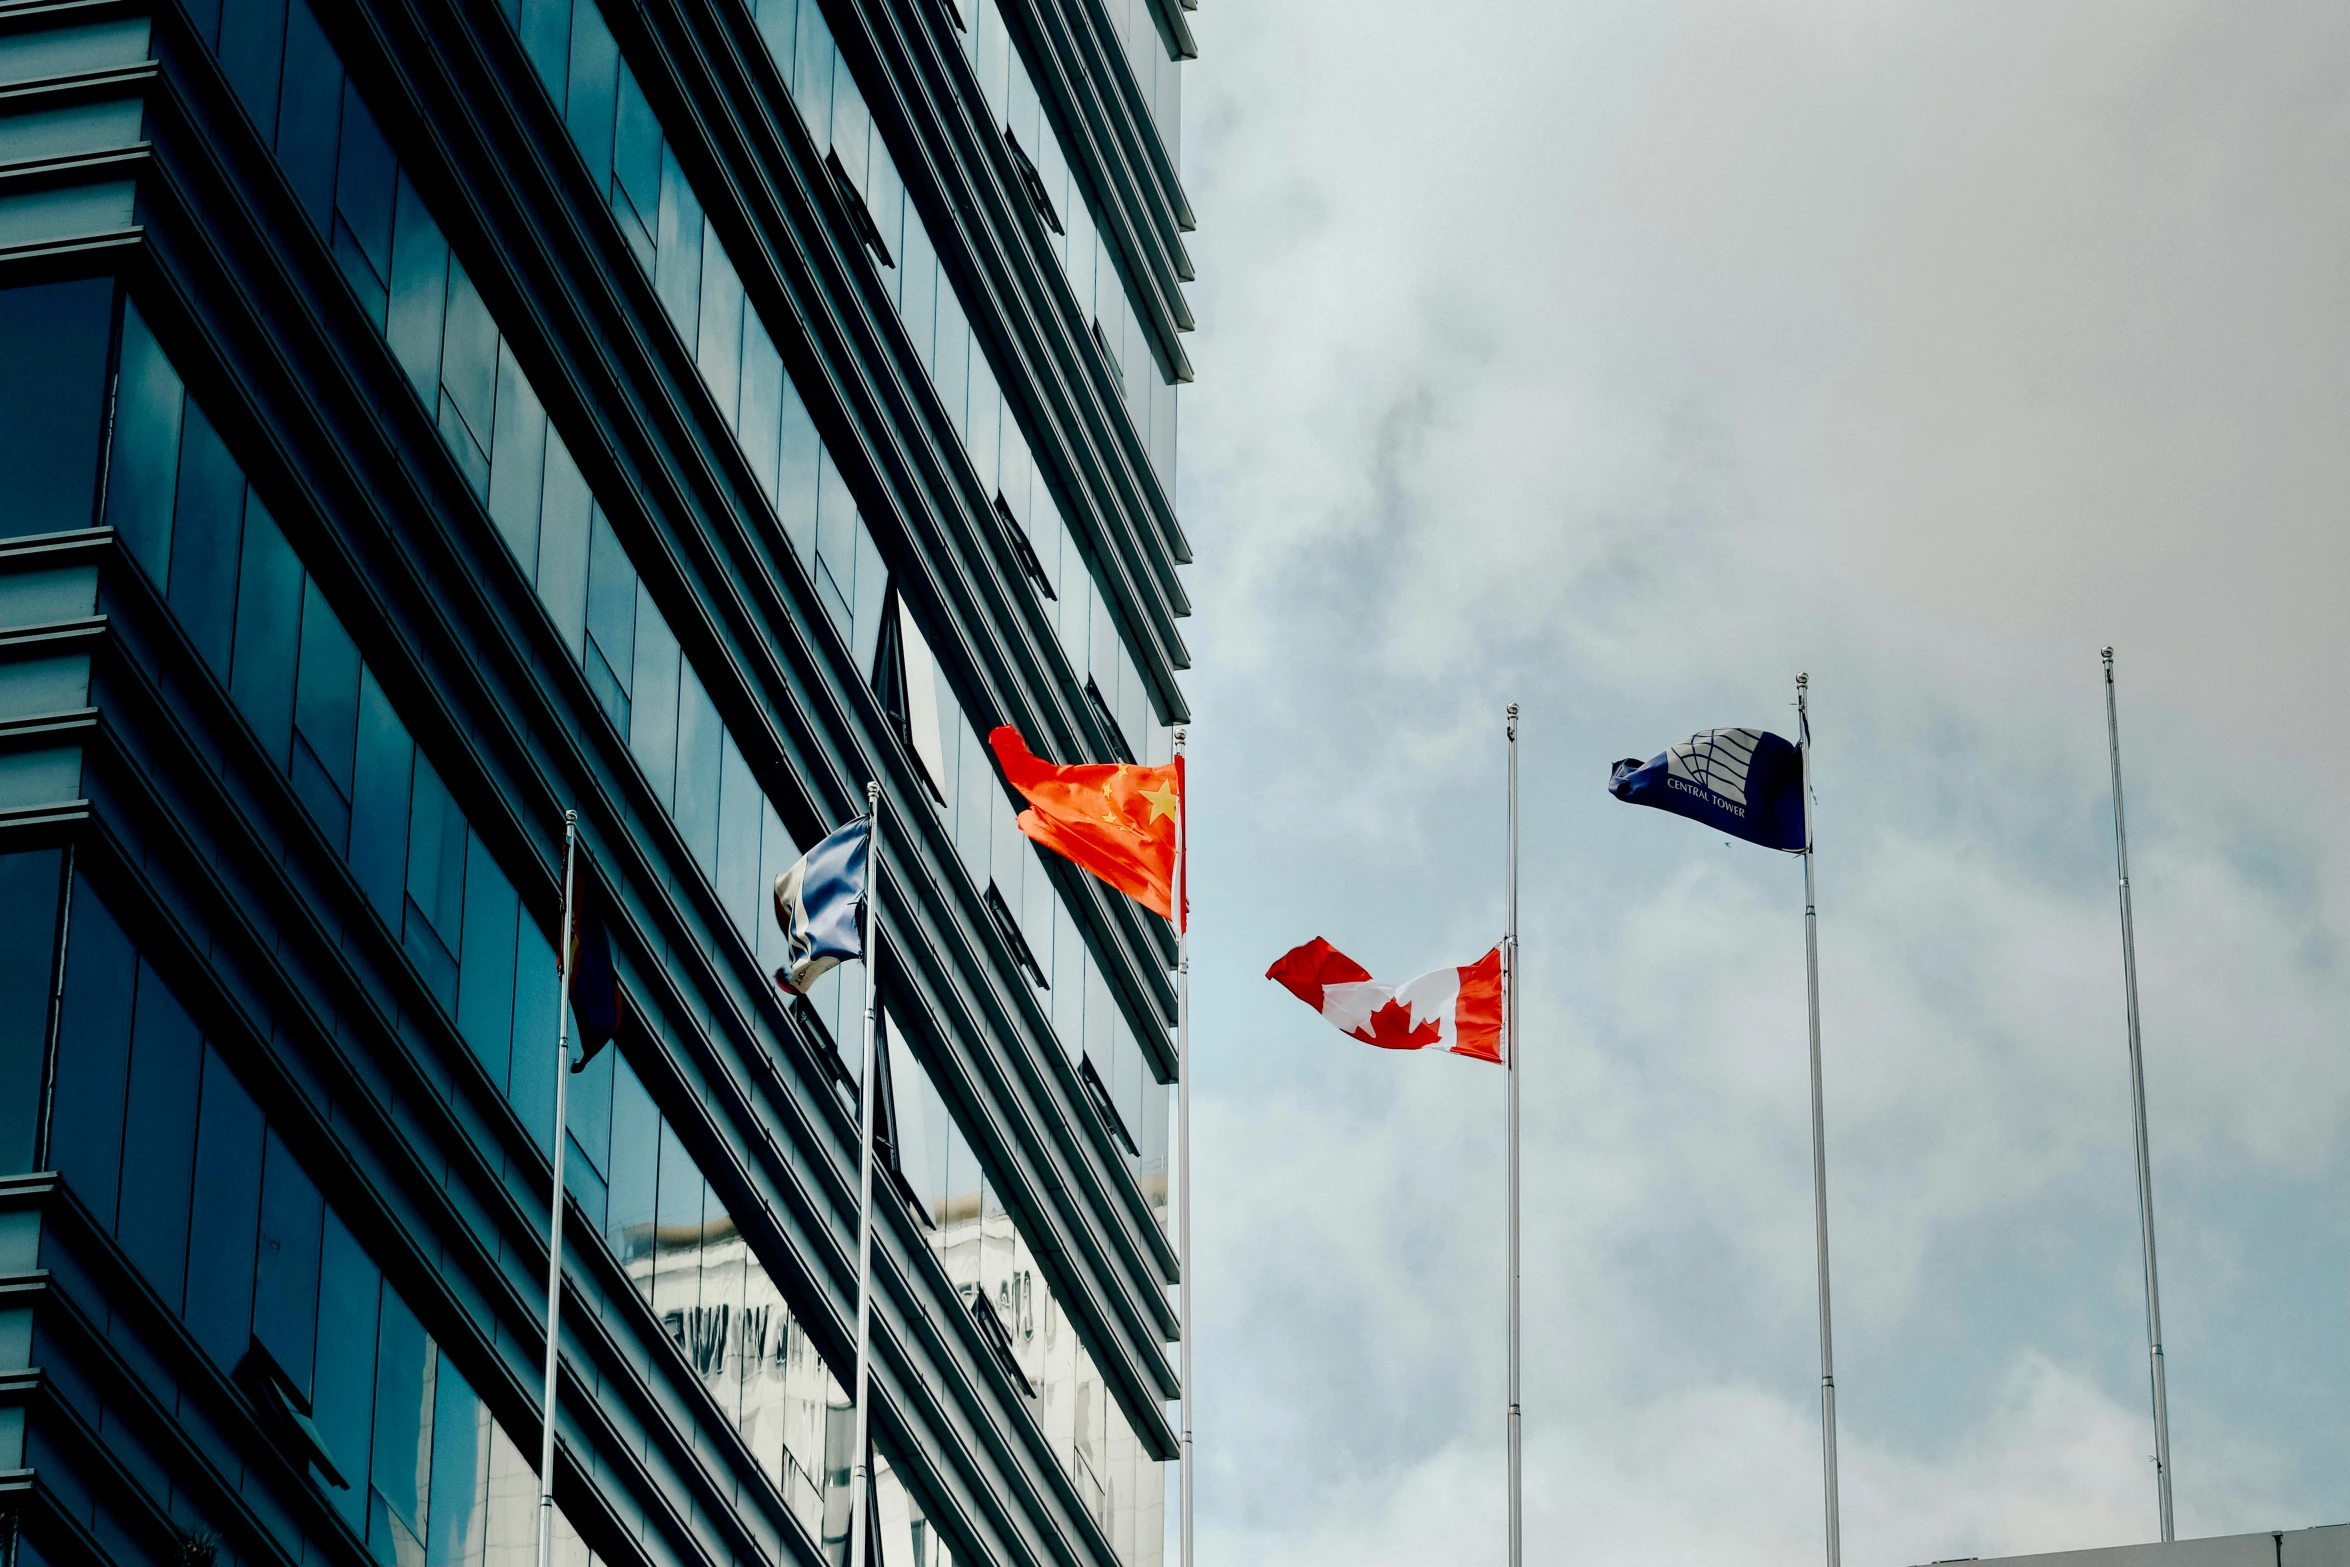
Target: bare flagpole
(2121, 855)
(860, 1481)
(1509, 996)
(1819, 1145)
(555, 1204)
(1183, 1138)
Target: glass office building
(422, 418)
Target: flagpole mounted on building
(555, 1203)
(1183, 1144)
(1819, 1143)
(2121, 855)
(860, 1480)
(1509, 1001)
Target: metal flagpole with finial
(555, 1203)
(1179, 902)
(860, 1480)
(1509, 1002)
(2121, 855)
(1819, 1141)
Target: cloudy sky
(1625, 358)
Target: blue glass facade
(424, 419)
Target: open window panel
(1110, 725)
(999, 1340)
(1008, 927)
(1023, 549)
(860, 215)
(905, 682)
(1104, 1106)
(888, 1148)
(1033, 182)
(1109, 355)
(285, 1413)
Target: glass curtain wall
(800, 43)
(1154, 61)
(157, 1137)
(904, 1538)
(265, 629)
(995, 1271)
(153, 1132)
(419, 295)
(578, 60)
(581, 66)
(417, 291)
(435, 321)
(1095, 274)
(258, 620)
(413, 286)
(698, 1276)
(1157, 68)
(235, 1238)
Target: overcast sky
(1625, 359)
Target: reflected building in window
(425, 418)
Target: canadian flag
(1455, 1009)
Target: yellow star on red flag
(1112, 819)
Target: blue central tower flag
(818, 902)
(1744, 782)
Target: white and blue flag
(1745, 782)
(820, 903)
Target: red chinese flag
(1111, 818)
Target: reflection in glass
(988, 1259)
(904, 1537)
(725, 1315)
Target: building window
(1109, 354)
(1033, 182)
(1109, 721)
(29, 884)
(53, 341)
(860, 215)
(1104, 1105)
(1023, 549)
(905, 681)
(1009, 928)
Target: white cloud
(1625, 359)
(1729, 1472)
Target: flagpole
(860, 1481)
(1180, 903)
(555, 1203)
(1819, 1144)
(2121, 854)
(1509, 993)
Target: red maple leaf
(1391, 1028)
